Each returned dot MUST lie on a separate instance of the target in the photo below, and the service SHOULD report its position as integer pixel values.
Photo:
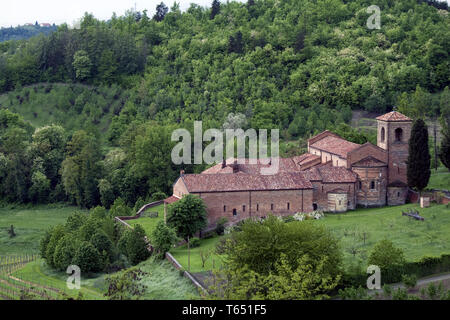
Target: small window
(398, 194)
(243, 208)
(340, 202)
(234, 212)
(383, 133)
(314, 206)
(257, 207)
(322, 188)
(271, 206)
(372, 185)
(348, 203)
(398, 169)
(288, 206)
(224, 208)
(359, 185)
(398, 134)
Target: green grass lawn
(181, 254)
(38, 272)
(29, 225)
(149, 224)
(417, 238)
(439, 179)
(164, 282)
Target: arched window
(234, 212)
(224, 208)
(271, 206)
(383, 134)
(398, 134)
(359, 185)
(243, 208)
(288, 205)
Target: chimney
(235, 166)
(181, 172)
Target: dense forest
(86, 114)
(25, 32)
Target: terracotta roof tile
(244, 182)
(171, 199)
(393, 116)
(335, 145)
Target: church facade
(335, 175)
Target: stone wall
(397, 195)
(321, 191)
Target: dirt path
(420, 282)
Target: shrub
(157, 196)
(352, 293)
(410, 281)
(133, 245)
(163, 238)
(387, 290)
(102, 243)
(400, 294)
(194, 242)
(88, 258)
(220, 227)
(64, 253)
(57, 233)
(390, 259)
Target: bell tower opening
(398, 134)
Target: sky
(20, 12)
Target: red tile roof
(330, 174)
(220, 182)
(335, 145)
(393, 116)
(171, 199)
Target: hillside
(117, 89)
(24, 32)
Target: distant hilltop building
(334, 176)
(45, 24)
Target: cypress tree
(419, 156)
(215, 9)
(444, 152)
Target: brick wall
(365, 151)
(257, 204)
(365, 194)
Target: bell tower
(394, 130)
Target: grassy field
(439, 179)
(417, 238)
(38, 272)
(149, 224)
(357, 232)
(29, 225)
(164, 282)
(181, 254)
